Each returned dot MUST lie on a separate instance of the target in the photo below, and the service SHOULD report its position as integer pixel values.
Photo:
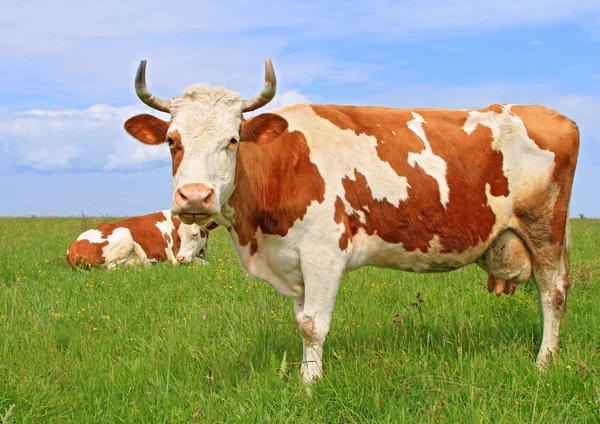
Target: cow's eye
(233, 141)
(170, 141)
(195, 235)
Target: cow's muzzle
(182, 259)
(193, 203)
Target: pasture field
(207, 344)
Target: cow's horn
(267, 93)
(145, 95)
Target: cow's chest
(274, 262)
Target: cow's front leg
(313, 313)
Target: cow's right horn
(145, 95)
(267, 93)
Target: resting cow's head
(193, 240)
(203, 135)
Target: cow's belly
(277, 260)
(372, 250)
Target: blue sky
(67, 70)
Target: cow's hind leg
(552, 282)
(313, 311)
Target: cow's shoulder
(276, 181)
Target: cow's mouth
(194, 218)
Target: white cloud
(79, 140)
(47, 28)
(127, 156)
(388, 16)
(43, 159)
(291, 97)
(536, 43)
(78, 53)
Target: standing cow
(139, 240)
(310, 191)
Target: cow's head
(203, 135)
(193, 239)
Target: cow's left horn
(267, 93)
(145, 95)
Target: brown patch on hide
(85, 253)
(471, 164)
(176, 148)
(175, 235)
(275, 180)
(340, 217)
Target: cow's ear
(147, 128)
(263, 128)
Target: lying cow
(311, 191)
(139, 240)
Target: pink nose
(181, 259)
(194, 197)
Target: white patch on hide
(432, 164)
(511, 139)
(119, 250)
(93, 236)
(166, 227)
(343, 154)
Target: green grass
(204, 344)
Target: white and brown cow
(310, 191)
(139, 240)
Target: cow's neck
(275, 183)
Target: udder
(508, 263)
